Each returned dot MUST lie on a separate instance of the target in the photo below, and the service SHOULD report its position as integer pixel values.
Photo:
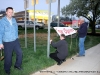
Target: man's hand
(1, 46)
(50, 41)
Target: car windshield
(40, 22)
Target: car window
(30, 22)
(40, 22)
(20, 21)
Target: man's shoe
(7, 73)
(64, 60)
(59, 63)
(19, 68)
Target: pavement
(87, 65)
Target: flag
(47, 1)
(35, 2)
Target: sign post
(48, 42)
(49, 20)
(25, 7)
(58, 12)
(34, 2)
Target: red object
(67, 23)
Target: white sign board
(65, 30)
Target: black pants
(54, 56)
(8, 50)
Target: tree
(90, 9)
(2, 11)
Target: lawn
(32, 61)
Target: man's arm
(16, 27)
(57, 44)
(1, 34)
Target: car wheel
(37, 28)
(19, 27)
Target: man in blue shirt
(82, 32)
(9, 41)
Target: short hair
(63, 35)
(9, 8)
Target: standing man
(82, 32)
(62, 50)
(9, 41)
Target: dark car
(54, 24)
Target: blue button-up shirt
(8, 32)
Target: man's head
(9, 12)
(81, 20)
(62, 36)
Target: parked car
(97, 26)
(41, 23)
(30, 24)
(54, 24)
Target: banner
(35, 2)
(47, 1)
(65, 30)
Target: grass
(32, 61)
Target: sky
(18, 5)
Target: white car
(97, 26)
(30, 24)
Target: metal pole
(48, 42)
(58, 12)
(34, 28)
(25, 24)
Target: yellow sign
(35, 2)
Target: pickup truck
(30, 24)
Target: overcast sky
(18, 5)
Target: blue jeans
(81, 46)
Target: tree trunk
(93, 27)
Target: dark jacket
(82, 31)
(62, 48)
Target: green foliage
(81, 7)
(33, 62)
(90, 9)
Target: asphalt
(87, 65)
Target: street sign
(34, 2)
(47, 1)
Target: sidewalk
(88, 65)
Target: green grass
(33, 62)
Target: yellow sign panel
(35, 2)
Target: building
(40, 15)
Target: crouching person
(62, 50)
